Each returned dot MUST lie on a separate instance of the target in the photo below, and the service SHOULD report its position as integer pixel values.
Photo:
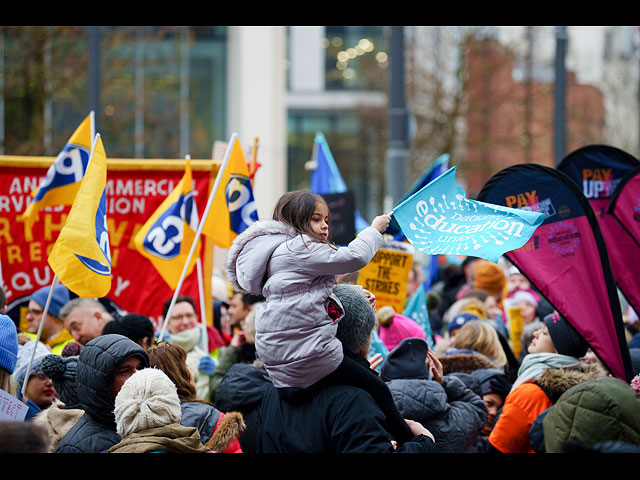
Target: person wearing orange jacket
(554, 352)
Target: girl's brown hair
(296, 209)
(172, 360)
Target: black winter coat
(98, 361)
(334, 419)
(241, 390)
(451, 411)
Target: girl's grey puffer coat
(295, 337)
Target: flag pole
(35, 345)
(53, 284)
(92, 121)
(221, 170)
(203, 314)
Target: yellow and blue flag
(233, 207)
(81, 256)
(167, 237)
(62, 181)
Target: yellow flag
(233, 208)
(62, 181)
(167, 237)
(81, 256)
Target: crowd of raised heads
(497, 371)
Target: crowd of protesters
(287, 365)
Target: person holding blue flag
(291, 261)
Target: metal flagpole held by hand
(35, 345)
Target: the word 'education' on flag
(439, 219)
(233, 208)
(81, 256)
(62, 181)
(166, 238)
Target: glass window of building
(162, 89)
(355, 141)
(354, 57)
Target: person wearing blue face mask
(185, 330)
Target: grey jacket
(295, 337)
(98, 361)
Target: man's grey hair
(354, 329)
(81, 303)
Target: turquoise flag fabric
(417, 310)
(377, 346)
(439, 219)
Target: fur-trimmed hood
(556, 381)
(465, 362)
(247, 276)
(225, 438)
(295, 335)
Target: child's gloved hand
(207, 365)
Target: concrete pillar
(257, 108)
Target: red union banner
(135, 189)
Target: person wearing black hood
(450, 410)
(104, 364)
(493, 387)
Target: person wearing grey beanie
(62, 371)
(356, 331)
(64, 413)
(39, 387)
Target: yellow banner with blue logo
(167, 237)
(62, 181)
(81, 256)
(233, 208)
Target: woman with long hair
(218, 431)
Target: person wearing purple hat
(53, 334)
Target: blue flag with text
(439, 219)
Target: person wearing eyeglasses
(185, 329)
(53, 334)
(39, 387)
